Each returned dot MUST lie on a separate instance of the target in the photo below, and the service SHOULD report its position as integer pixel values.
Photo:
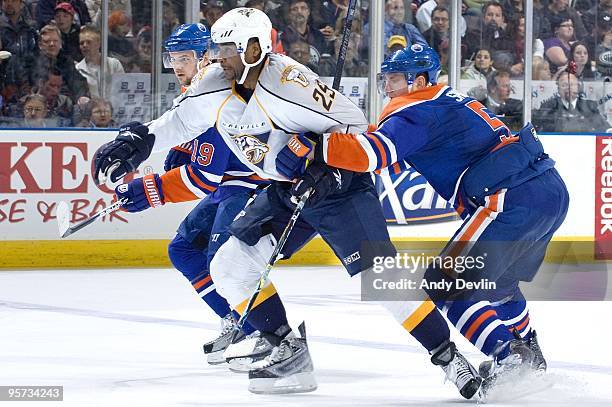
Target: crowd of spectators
(55, 45)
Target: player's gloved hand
(292, 160)
(141, 193)
(322, 179)
(178, 156)
(124, 154)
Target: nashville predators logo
(246, 12)
(293, 74)
(253, 148)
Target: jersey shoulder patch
(207, 80)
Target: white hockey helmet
(238, 26)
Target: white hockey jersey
(288, 98)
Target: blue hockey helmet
(187, 37)
(412, 61)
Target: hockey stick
(63, 217)
(276, 254)
(346, 31)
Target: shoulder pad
(208, 79)
(281, 71)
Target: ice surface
(133, 338)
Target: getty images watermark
(402, 277)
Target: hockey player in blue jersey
(211, 172)
(504, 186)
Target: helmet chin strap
(248, 66)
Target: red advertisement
(603, 198)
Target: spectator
(494, 35)
(98, 113)
(568, 111)
(19, 37)
(395, 24)
(425, 11)
(89, 66)
(52, 56)
(170, 18)
(482, 67)
(119, 46)
(277, 45)
(141, 62)
(579, 56)
(59, 106)
(438, 34)
(94, 7)
(559, 10)
(45, 12)
(603, 52)
(540, 70)
(300, 51)
(508, 110)
(395, 43)
(213, 11)
(557, 49)
(298, 27)
(518, 48)
(64, 19)
(597, 14)
(35, 112)
(353, 65)
(331, 11)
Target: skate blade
(240, 365)
(297, 383)
(516, 386)
(215, 358)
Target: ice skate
(215, 348)
(251, 349)
(538, 363)
(288, 369)
(458, 370)
(514, 374)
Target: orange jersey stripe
(174, 188)
(523, 324)
(478, 322)
(199, 182)
(345, 151)
(418, 96)
(202, 282)
(379, 146)
(505, 142)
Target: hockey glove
(178, 156)
(292, 160)
(124, 154)
(323, 180)
(141, 193)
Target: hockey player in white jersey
(261, 103)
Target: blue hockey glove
(141, 193)
(178, 156)
(124, 154)
(323, 180)
(292, 160)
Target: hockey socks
(268, 312)
(422, 320)
(515, 315)
(479, 323)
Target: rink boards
(39, 168)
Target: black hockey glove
(323, 180)
(124, 154)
